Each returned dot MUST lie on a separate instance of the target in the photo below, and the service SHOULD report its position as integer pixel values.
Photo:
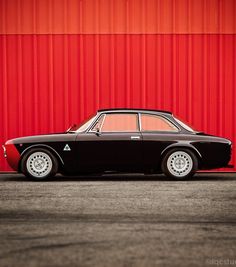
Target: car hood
(55, 137)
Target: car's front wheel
(39, 164)
(179, 164)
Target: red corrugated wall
(62, 60)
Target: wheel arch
(184, 146)
(47, 147)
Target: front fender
(46, 147)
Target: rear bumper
(230, 166)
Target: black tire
(49, 164)
(181, 158)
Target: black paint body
(93, 152)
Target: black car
(120, 140)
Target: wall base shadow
(122, 177)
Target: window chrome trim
(103, 120)
(139, 122)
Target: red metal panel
(48, 82)
(117, 16)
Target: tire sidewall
(25, 157)
(169, 174)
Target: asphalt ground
(129, 220)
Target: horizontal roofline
(134, 110)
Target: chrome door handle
(134, 137)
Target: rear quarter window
(156, 123)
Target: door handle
(135, 137)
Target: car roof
(133, 110)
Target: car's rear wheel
(39, 164)
(179, 164)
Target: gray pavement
(130, 220)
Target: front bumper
(11, 154)
(4, 151)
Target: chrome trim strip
(39, 145)
(103, 120)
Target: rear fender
(186, 146)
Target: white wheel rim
(39, 164)
(180, 163)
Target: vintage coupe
(120, 140)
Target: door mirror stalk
(98, 133)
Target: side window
(120, 123)
(156, 123)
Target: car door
(157, 133)
(113, 144)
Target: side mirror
(98, 133)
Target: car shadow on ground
(122, 177)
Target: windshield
(185, 126)
(83, 126)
